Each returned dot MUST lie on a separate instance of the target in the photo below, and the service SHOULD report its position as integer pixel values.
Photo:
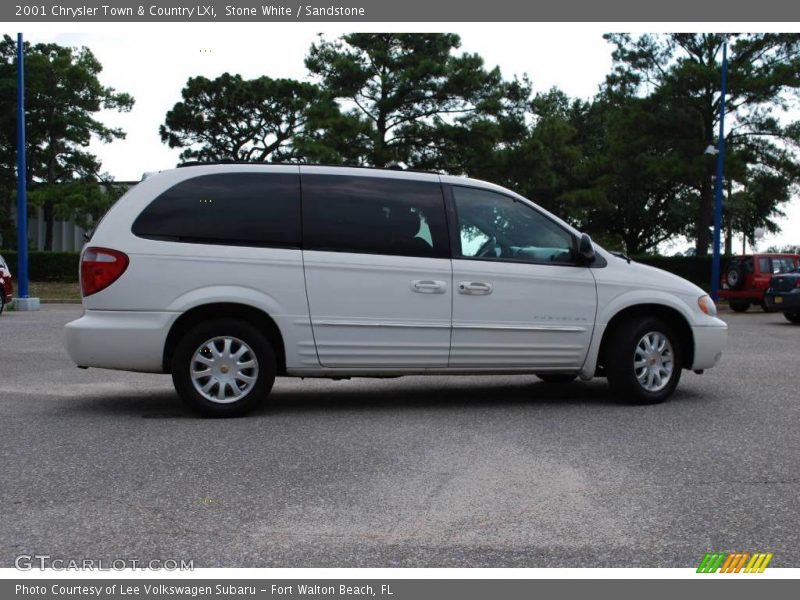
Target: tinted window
(782, 265)
(763, 265)
(374, 215)
(258, 209)
(494, 226)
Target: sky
(153, 61)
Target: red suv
(6, 287)
(746, 278)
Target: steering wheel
(488, 248)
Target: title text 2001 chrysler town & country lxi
(227, 276)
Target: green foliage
(230, 118)
(629, 166)
(402, 92)
(62, 96)
(681, 73)
(47, 266)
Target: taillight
(100, 267)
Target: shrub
(696, 269)
(46, 266)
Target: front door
(519, 299)
(377, 269)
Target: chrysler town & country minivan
(229, 275)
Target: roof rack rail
(390, 167)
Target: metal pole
(22, 200)
(715, 266)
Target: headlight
(707, 306)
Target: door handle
(428, 286)
(475, 288)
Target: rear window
(239, 209)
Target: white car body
(349, 314)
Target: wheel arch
(250, 314)
(662, 311)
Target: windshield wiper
(622, 255)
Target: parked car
(254, 271)
(784, 295)
(6, 285)
(745, 279)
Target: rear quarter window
(239, 209)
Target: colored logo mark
(734, 562)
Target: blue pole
(22, 200)
(715, 266)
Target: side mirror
(585, 250)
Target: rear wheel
(223, 368)
(556, 377)
(793, 317)
(643, 361)
(2, 301)
(739, 307)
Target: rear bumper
(783, 301)
(709, 342)
(125, 340)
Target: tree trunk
(8, 229)
(728, 225)
(704, 216)
(48, 225)
(379, 151)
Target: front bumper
(783, 301)
(709, 342)
(115, 339)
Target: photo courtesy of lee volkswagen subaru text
(229, 275)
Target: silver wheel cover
(653, 361)
(223, 369)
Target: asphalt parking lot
(439, 471)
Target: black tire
(735, 277)
(766, 308)
(619, 357)
(238, 331)
(739, 307)
(792, 317)
(2, 300)
(556, 377)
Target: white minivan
(228, 275)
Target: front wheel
(643, 361)
(223, 368)
(792, 317)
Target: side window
(763, 265)
(240, 209)
(783, 264)
(493, 226)
(747, 264)
(374, 215)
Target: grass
(55, 290)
